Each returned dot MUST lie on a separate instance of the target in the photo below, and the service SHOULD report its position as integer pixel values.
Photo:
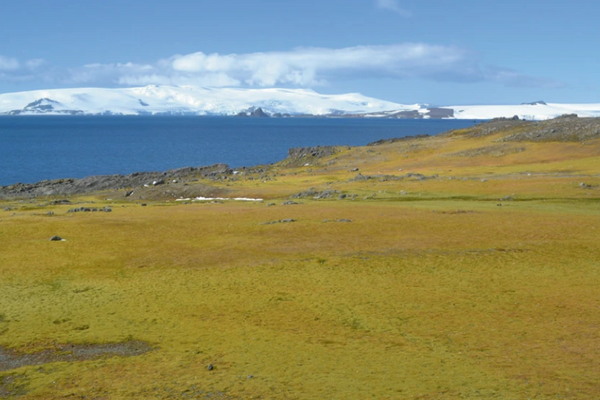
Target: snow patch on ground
(220, 199)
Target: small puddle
(10, 359)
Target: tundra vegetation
(465, 265)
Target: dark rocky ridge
(253, 113)
(400, 139)
(298, 156)
(42, 106)
(98, 183)
(172, 183)
(566, 128)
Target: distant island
(261, 103)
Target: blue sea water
(52, 147)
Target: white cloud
(35, 63)
(301, 67)
(12, 70)
(393, 6)
(315, 66)
(512, 78)
(8, 64)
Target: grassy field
(478, 278)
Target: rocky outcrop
(314, 152)
(400, 139)
(299, 156)
(253, 113)
(259, 113)
(535, 103)
(566, 128)
(490, 127)
(97, 183)
(44, 106)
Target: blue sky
(409, 51)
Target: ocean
(36, 148)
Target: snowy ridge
(540, 111)
(188, 100)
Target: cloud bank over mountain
(304, 67)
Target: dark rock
(568, 116)
(56, 239)
(44, 104)
(259, 113)
(384, 178)
(210, 367)
(439, 113)
(566, 128)
(394, 140)
(412, 114)
(287, 220)
(535, 103)
(59, 202)
(90, 184)
(298, 156)
(325, 194)
(144, 204)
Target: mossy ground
(433, 291)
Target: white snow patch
(221, 199)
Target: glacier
(189, 100)
(205, 101)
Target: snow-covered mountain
(530, 111)
(188, 100)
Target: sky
(436, 52)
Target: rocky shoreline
(97, 183)
(567, 128)
(172, 183)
